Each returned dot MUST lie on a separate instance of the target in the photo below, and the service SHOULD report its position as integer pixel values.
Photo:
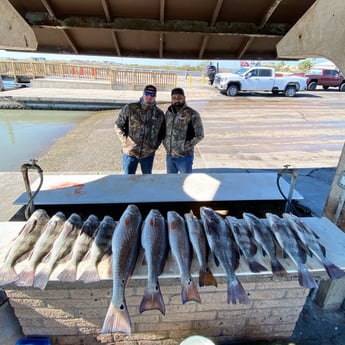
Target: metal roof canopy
(170, 29)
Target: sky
(227, 64)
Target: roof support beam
(318, 33)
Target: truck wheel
(232, 90)
(312, 86)
(275, 91)
(342, 87)
(290, 91)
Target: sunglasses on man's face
(150, 93)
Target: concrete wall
(74, 313)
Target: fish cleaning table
(73, 312)
(196, 187)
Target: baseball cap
(177, 91)
(150, 88)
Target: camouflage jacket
(183, 130)
(140, 129)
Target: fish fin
(278, 269)
(117, 320)
(333, 271)
(216, 261)
(26, 278)
(256, 267)
(41, 279)
(90, 275)
(189, 292)
(8, 276)
(236, 293)
(206, 278)
(323, 249)
(152, 300)
(305, 278)
(69, 274)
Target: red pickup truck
(326, 78)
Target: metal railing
(118, 77)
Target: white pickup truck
(259, 79)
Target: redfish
(198, 240)
(125, 248)
(154, 240)
(181, 251)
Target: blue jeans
(130, 164)
(179, 165)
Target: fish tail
(117, 320)
(305, 278)
(69, 274)
(278, 269)
(152, 300)
(189, 292)
(26, 278)
(256, 267)
(206, 278)
(236, 293)
(90, 275)
(41, 279)
(333, 271)
(8, 276)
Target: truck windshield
(241, 70)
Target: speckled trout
(41, 249)
(288, 243)
(198, 240)
(242, 236)
(79, 249)
(154, 240)
(61, 247)
(22, 244)
(100, 247)
(125, 248)
(218, 237)
(181, 251)
(310, 241)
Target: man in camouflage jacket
(183, 130)
(140, 128)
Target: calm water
(27, 134)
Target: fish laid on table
(197, 237)
(310, 241)
(181, 251)
(61, 247)
(243, 238)
(154, 240)
(80, 248)
(41, 249)
(100, 247)
(125, 248)
(265, 239)
(22, 244)
(218, 237)
(289, 244)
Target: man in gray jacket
(140, 128)
(183, 131)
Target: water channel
(27, 134)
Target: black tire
(275, 91)
(312, 86)
(342, 87)
(325, 87)
(232, 90)
(290, 91)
